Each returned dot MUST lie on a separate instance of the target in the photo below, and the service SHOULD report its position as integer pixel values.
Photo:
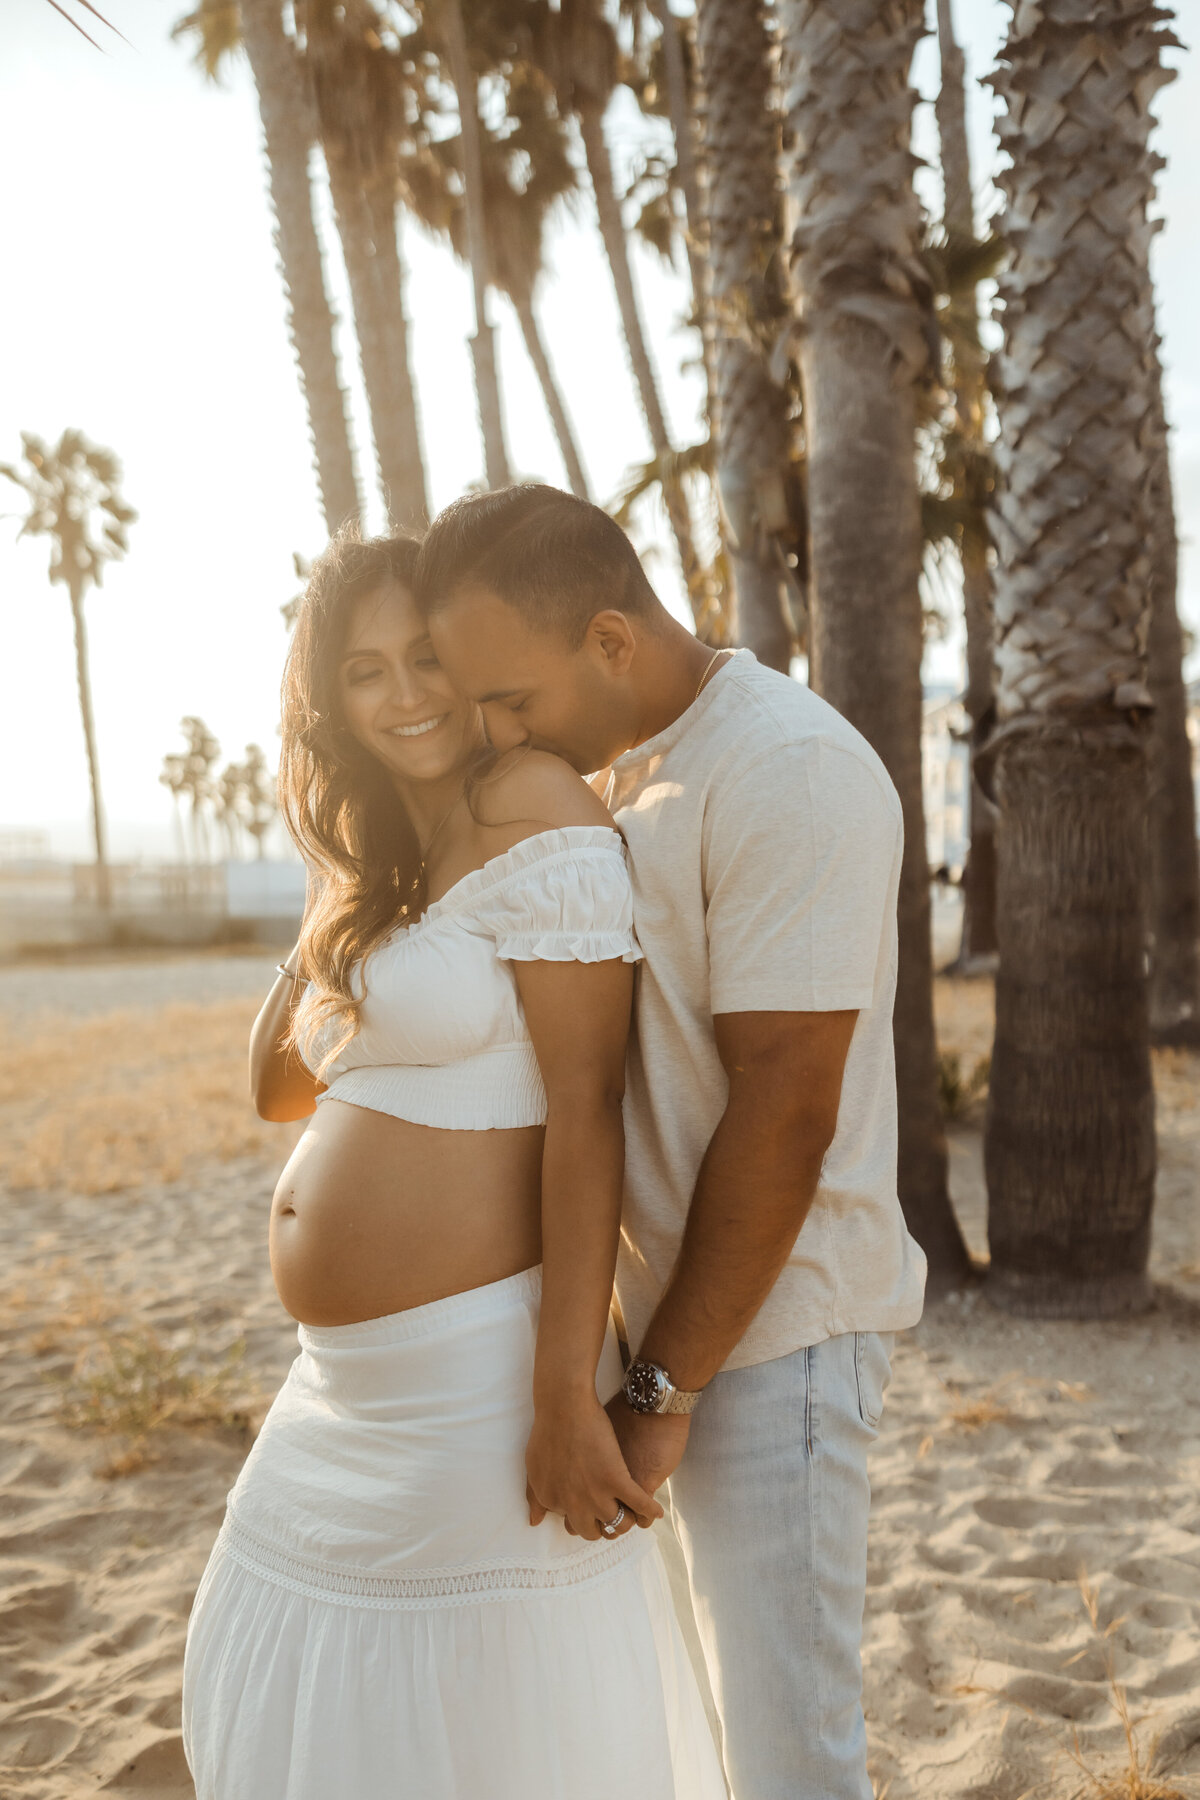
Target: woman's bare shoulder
(534, 789)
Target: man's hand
(575, 1467)
(651, 1443)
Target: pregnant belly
(373, 1215)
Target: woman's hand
(574, 1467)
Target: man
(764, 1261)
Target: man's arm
(753, 1193)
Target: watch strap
(679, 1400)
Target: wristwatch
(649, 1389)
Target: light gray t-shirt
(764, 843)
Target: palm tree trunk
(865, 308)
(555, 406)
(750, 424)
(483, 349)
(409, 497)
(288, 130)
(84, 683)
(375, 292)
(1174, 863)
(612, 231)
(1069, 1142)
(970, 385)
(682, 115)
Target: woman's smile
(426, 725)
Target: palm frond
(88, 7)
(216, 26)
(642, 478)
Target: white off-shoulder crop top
(442, 1039)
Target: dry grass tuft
(986, 1409)
(959, 1093)
(1131, 1780)
(97, 1105)
(133, 1383)
(999, 1404)
(63, 1306)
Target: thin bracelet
(292, 974)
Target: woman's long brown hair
(343, 814)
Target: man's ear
(611, 637)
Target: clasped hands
(584, 1461)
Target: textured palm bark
(84, 684)
(1174, 863)
(381, 328)
(483, 347)
(288, 130)
(612, 232)
(970, 394)
(1069, 1141)
(555, 406)
(750, 421)
(866, 326)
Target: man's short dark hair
(555, 559)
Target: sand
(1024, 1471)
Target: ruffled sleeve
(565, 896)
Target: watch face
(644, 1386)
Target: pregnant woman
(429, 1584)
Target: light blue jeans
(770, 1506)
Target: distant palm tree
(227, 806)
(74, 497)
(260, 802)
(190, 772)
(289, 128)
(174, 779)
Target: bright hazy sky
(142, 304)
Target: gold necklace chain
(708, 669)
(429, 845)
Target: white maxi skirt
(379, 1621)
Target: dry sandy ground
(1024, 1472)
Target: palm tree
(750, 424)
(970, 474)
(289, 128)
(1174, 865)
(526, 172)
(190, 772)
(483, 349)
(867, 324)
(174, 779)
(1069, 1142)
(260, 803)
(74, 499)
(360, 88)
(578, 49)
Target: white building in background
(946, 773)
(265, 890)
